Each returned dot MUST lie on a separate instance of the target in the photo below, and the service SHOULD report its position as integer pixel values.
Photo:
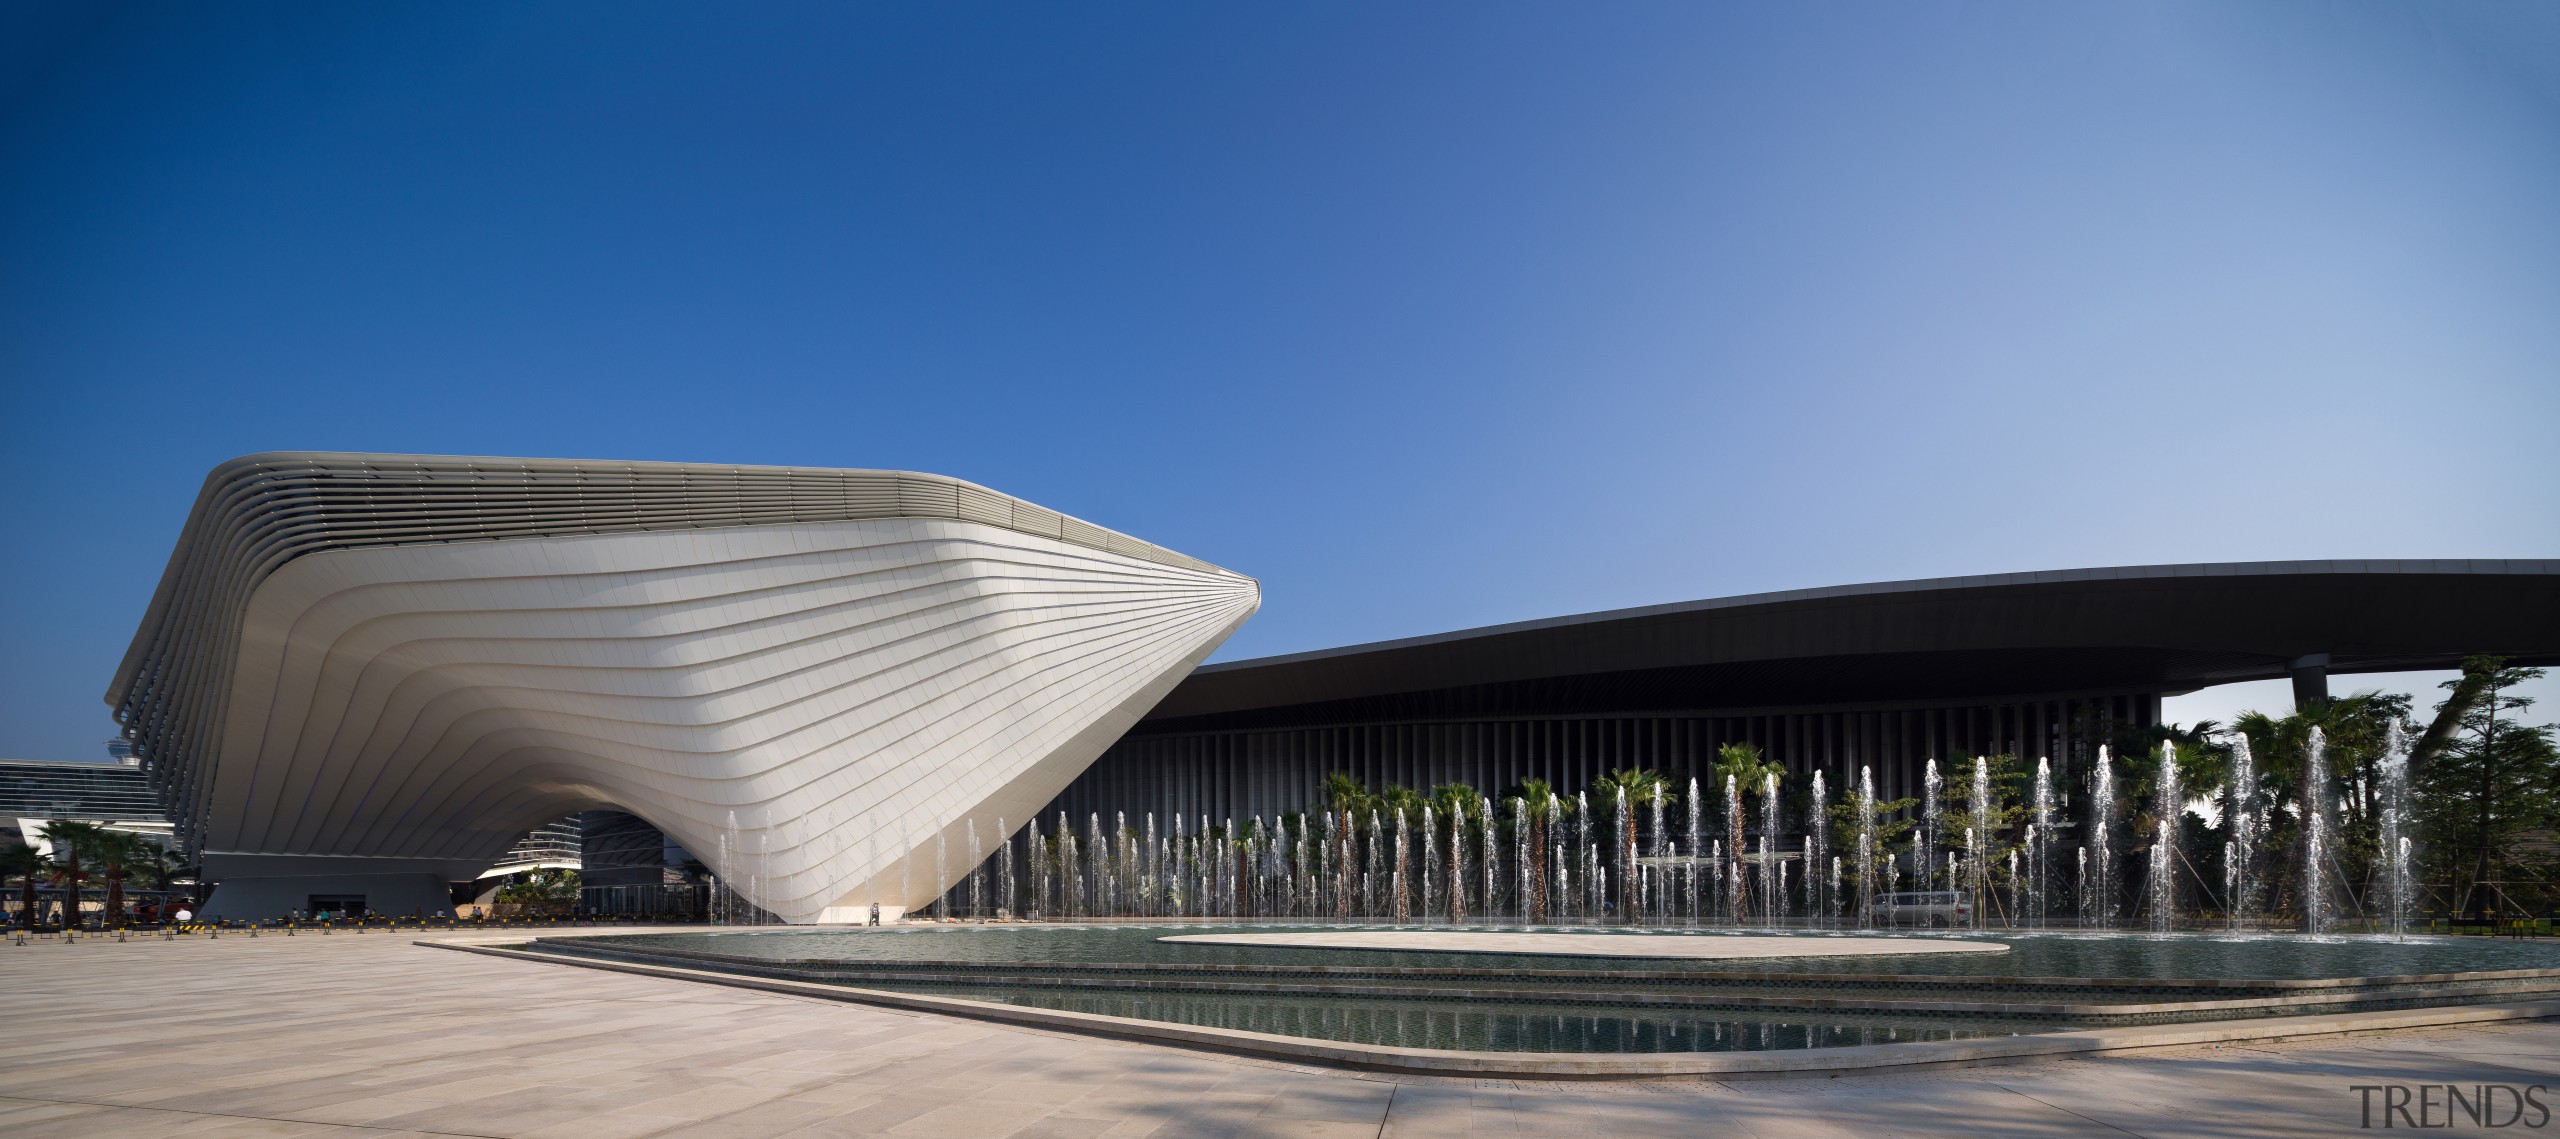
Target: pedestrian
(185, 914)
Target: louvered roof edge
(2544, 567)
(299, 480)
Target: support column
(2310, 682)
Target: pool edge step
(1566, 1065)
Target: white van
(1940, 908)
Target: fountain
(1522, 866)
(941, 874)
(2166, 806)
(2098, 873)
(2014, 904)
(1096, 887)
(1622, 851)
(1430, 857)
(1064, 861)
(1553, 898)
(1817, 825)
(2080, 874)
(755, 873)
(2394, 844)
(1982, 826)
(2315, 831)
(1866, 848)
(1928, 852)
(1183, 892)
(2040, 842)
(1403, 911)
(1973, 862)
(905, 862)
(1660, 867)
(1832, 889)
(2240, 883)
(1588, 856)
(1691, 867)
(1733, 845)
(1036, 856)
(2023, 892)
(1772, 895)
(977, 877)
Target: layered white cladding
(807, 708)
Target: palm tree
(1627, 789)
(1399, 800)
(1538, 799)
(1344, 795)
(1635, 787)
(69, 839)
(119, 854)
(1404, 805)
(162, 866)
(1457, 805)
(1344, 799)
(27, 865)
(1741, 764)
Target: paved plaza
(372, 1035)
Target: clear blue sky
(1428, 317)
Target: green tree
(1346, 800)
(2492, 780)
(1637, 786)
(1399, 801)
(1739, 766)
(1456, 808)
(1742, 765)
(71, 840)
(542, 887)
(1345, 796)
(1538, 799)
(1538, 796)
(1456, 805)
(29, 866)
(1893, 820)
(119, 854)
(1637, 789)
(1629, 795)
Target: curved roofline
(664, 466)
(257, 513)
(2531, 566)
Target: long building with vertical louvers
(391, 666)
(1884, 677)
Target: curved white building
(362, 666)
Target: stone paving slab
(374, 1036)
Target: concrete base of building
(398, 895)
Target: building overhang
(2153, 629)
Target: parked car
(1940, 908)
